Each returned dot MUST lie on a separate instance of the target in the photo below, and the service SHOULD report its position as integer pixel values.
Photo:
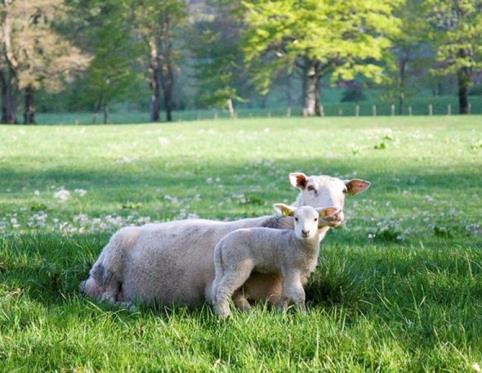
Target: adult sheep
(172, 263)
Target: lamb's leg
(293, 291)
(232, 280)
(240, 301)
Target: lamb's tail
(218, 274)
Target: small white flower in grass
(62, 195)
(36, 193)
(171, 199)
(476, 367)
(80, 192)
(14, 223)
(164, 141)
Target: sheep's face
(306, 219)
(326, 191)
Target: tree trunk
(29, 109)
(105, 109)
(156, 96)
(401, 98)
(156, 73)
(167, 82)
(463, 80)
(9, 102)
(229, 104)
(311, 85)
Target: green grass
(398, 289)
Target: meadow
(399, 288)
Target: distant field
(332, 108)
(398, 289)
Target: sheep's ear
(356, 186)
(298, 180)
(283, 210)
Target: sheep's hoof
(222, 311)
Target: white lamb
(293, 254)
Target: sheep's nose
(305, 233)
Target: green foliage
(215, 44)
(110, 76)
(347, 38)
(457, 34)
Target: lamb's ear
(355, 186)
(298, 180)
(283, 210)
(325, 212)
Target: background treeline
(158, 56)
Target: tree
(106, 29)
(215, 44)
(457, 33)
(159, 24)
(411, 48)
(35, 54)
(319, 37)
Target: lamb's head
(325, 191)
(306, 218)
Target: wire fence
(329, 110)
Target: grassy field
(398, 289)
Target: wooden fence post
(357, 110)
(288, 112)
(374, 110)
(322, 111)
(430, 109)
(449, 109)
(410, 110)
(392, 109)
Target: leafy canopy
(348, 37)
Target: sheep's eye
(316, 219)
(296, 219)
(311, 188)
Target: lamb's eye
(316, 219)
(296, 219)
(311, 188)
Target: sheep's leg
(232, 280)
(112, 288)
(240, 301)
(293, 291)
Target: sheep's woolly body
(180, 270)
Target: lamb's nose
(305, 233)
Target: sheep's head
(306, 218)
(326, 191)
